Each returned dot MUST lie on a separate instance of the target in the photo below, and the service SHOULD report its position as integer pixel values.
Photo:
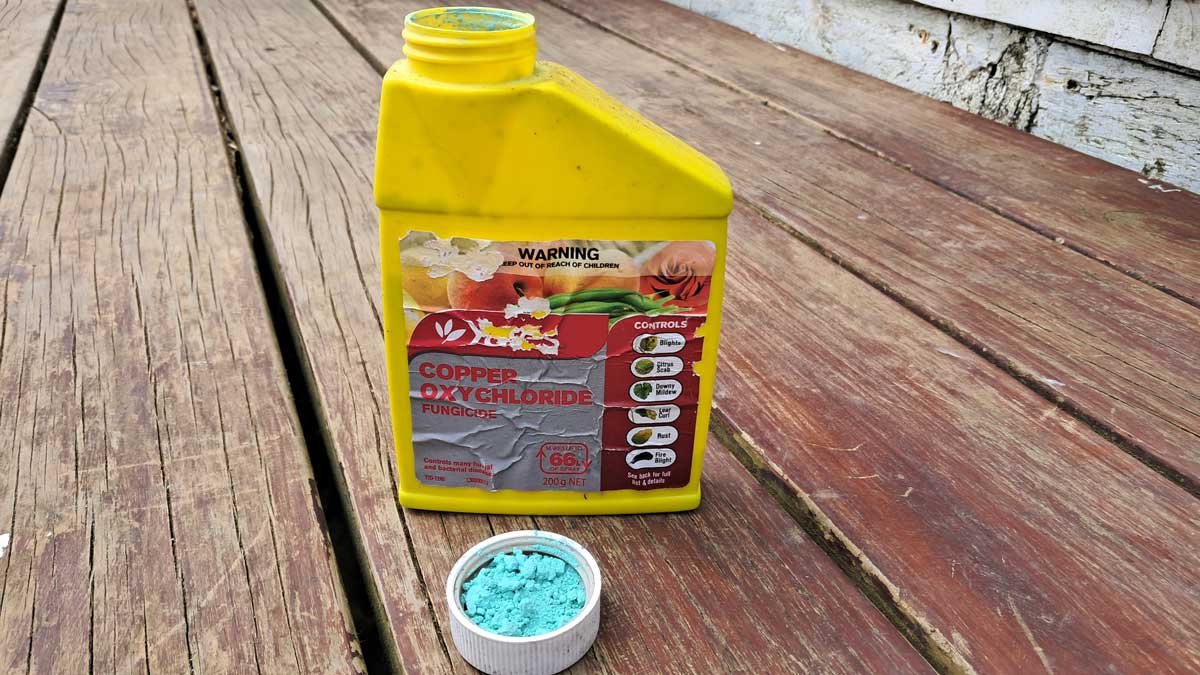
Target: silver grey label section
(521, 447)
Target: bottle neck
(470, 45)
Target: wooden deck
(973, 444)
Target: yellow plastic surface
(476, 139)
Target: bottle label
(554, 365)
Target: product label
(554, 365)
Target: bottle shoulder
(552, 144)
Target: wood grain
(1026, 541)
(1110, 213)
(305, 125)
(24, 30)
(1011, 529)
(1117, 351)
(735, 586)
(154, 481)
(303, 103)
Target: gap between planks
(927, 640)
(340, 522)
(297, 365)
(932, 646)
(867, 148)
(924, 638)
(1111, 431)
(8, 151)
(294, 591)
(1105, 430)
(1046, 391)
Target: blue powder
(523, 594)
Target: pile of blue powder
(523, 594)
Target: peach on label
(571, 279)
(504, 288)
(412, 316)
(427, 293)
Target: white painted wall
(1131, 25)
(1179, 41)
(1129, 111)
(1142, 118)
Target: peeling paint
(1124, 111)
(993, 71)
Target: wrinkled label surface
(554, 365)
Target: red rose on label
(683, 271)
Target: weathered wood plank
(1110, 213)
(850, 401)
(1084, 334)
(305, 127)
(155, 484)
(734, 586)
(24, 30)
(1018, 534)
(303, 103)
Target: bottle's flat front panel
(561, 373)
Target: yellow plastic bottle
(552, 281)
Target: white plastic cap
(539, 654)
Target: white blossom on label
(538, 308)
(442, 256)
(525, 338)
